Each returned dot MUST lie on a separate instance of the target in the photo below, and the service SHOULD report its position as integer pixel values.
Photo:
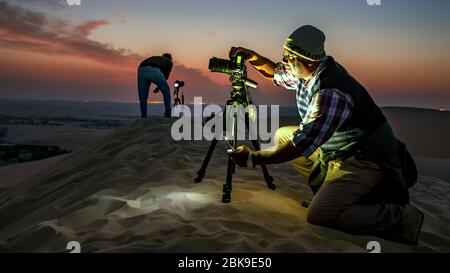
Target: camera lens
(219, 65)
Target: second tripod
(177, 85)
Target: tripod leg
(269, 179)
(228, 186)
(201, 172)
(231, 166)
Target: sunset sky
(49, 50)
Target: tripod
(237, 98)
(177, 98)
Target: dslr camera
(235, 68)
(178, 84)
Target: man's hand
(249, 55)
(264, 66)
(240, 156)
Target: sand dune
(133, 191)
(425, 131)
(14, 174)
(66, 137)
(71, 138)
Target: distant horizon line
(191, 103)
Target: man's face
(296, 67)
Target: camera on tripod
(235, 68)
(178, 84)
(239, 97)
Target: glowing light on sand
(189, 196)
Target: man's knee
(284, 134)
(320, 216)
(277, 135)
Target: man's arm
(263, 65)
(166, 72)
(277, 73)
(328, 110)
(282, 153)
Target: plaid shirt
(322, 113)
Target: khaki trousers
(341, 202)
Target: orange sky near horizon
(401, 77)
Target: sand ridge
(133, 190)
